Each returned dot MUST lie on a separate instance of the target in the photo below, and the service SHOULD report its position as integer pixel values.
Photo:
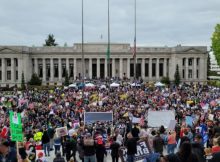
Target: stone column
(113, 67)
(60, 69)
(68, 66)
(44, 70)
(106, 68)
(150, 68)
(165, 67)
(51, 70)
(121, 68)
(20, 69)
(90, 68)
(187, 69)
(194, 69)
(157, 69)
(128, 67)
(98, 67)
(143, 68)
(36, 66)
(12, 70)
(74, 69)
(3, 70)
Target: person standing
(114, 150)
(89, 148)
(171, 143)
(158, 143)
(131, 145)
(46, 143)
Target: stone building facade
(50, 63)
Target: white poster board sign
(158, 118)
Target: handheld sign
(143, 150)
(62, 131)
(16, 127)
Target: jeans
(57, 148)
(114, 158)
(89, 158)
(46, 148)
(171, 148)
(130, 158)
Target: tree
(50, 41)
(177, 75)
(22, 81)
(35, 80)
(216, 43)
(66, 82)
(165, 80)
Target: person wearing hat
(7, 153)
(40, 157)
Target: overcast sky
(159, 22)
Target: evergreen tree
(66, 82)
(50, 41)
(177, 75)
(22, 81)
(35, 80)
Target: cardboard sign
(189, 121)
(136, 120)
(158, 118)
(90, 117)
(172, 125)
(62, 131)
(143, 149)
(16, 127)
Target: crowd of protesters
(44, 111)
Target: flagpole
(135, 60)
(108, 50)
(83, 59)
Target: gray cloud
(159, 22)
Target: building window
(8, 62)
(190, 73)
(64, 70)
(183, 74)
(48, 71)
(184, 60)
(71, 70)
(153, 69)
(197, 61)
(161, 69)
(8, 75)
(16, 62)
(16, 75)
(131, 70)
(40, 71)
(56, 70)
(197, 73)
(190, 61)
(0, 75)
(146, 70)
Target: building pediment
(7, 50)
(192, 50)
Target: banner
(158, 118)
(16, 126)
(62, 131)
(143, 149)
(90, 117)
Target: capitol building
(50, 63)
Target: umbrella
(135, 85)
(159, 84)
(114, 85)
(90, 85)
(73, 85)
(103, 87)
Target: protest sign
(16, 127)
(143, 149)
(136, 120)
(172, 125)
(158, 118)
(62, 131)
(90, 117)
(189, 121)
